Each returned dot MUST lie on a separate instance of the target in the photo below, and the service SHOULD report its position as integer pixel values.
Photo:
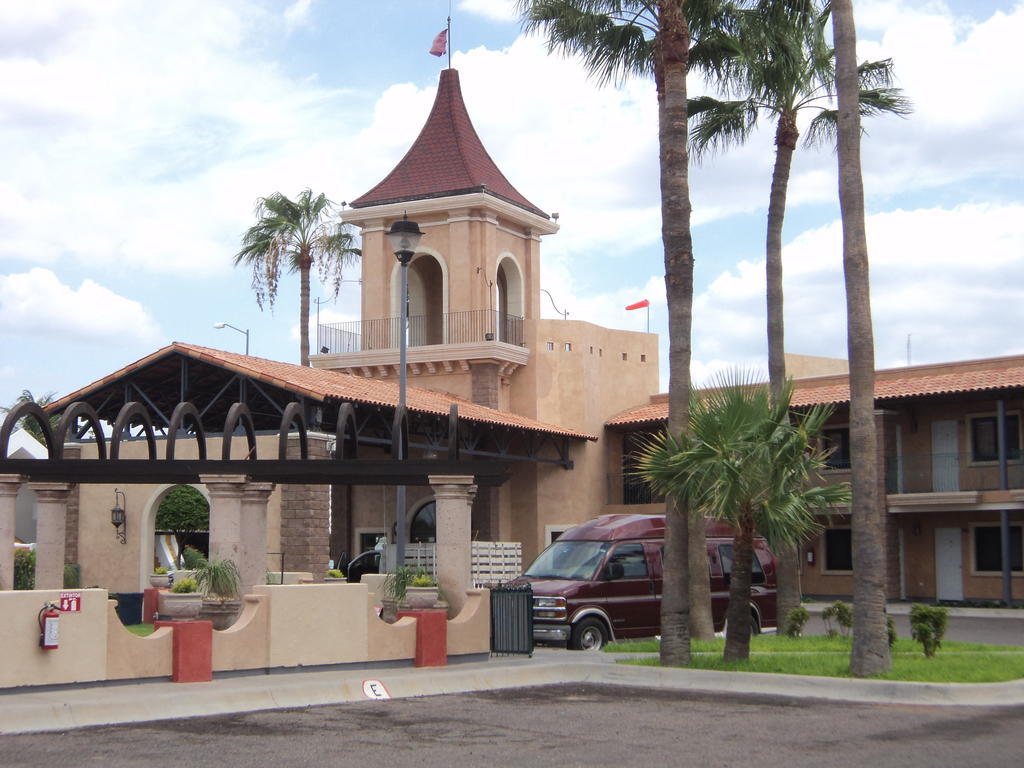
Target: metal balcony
(424, 330)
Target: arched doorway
(426, 301)
(509, 282)
(157, 549)
(424, 524)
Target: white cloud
(942, 275)
(37, 304)
(496, 10)
(297, 14)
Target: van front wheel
(588, 635)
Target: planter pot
(174, 605)
(389, 610)
(179, 575)
(335, 580)
(158, 580)
(223, 613)
(420, 597)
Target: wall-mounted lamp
(324, 350)
(118, 518)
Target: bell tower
(474, 281)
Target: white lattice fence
(493, 562)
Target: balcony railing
(424, 330)
(947, 472)
(625, 489)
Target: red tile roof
(892, 384)
(447, 158)
(332, 385)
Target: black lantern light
(118, 518)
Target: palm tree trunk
(870, 654)
(304, 266)
(786, 135)
(737, 616)
(670, 77)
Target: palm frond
(715, 125)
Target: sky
(135, 138)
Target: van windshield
(569, 560)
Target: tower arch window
(424, 524)
(511, 301)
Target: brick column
(72, 451)
(305, 515)
(9, 486)
(226, 516)
(454, 497)
(486, 384)
(253, 567)
(51, 528)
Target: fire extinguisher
(49, 627)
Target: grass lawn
(142, 630)
(955, 662)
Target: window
(838, 550)
(424, 524)
(984, 444)
(568, 346)
(988, 548)
(725, 554)
(643, 358)
(551, 346)
(837, 439)
(625, 356)
(591, 350)
(631, 558)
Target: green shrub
(24, 569)
(396, 583)
(890, 629)
(159, 570)
(842, 615)
(334, 573)
(72, 576)
(795, 622)
(928, 626)
(219, 579)
(423, 580)
(184, 586)
(192, 558)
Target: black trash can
(129, 607)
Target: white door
(949, 578)
(945, 456)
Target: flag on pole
(639, 305)
(440, 43)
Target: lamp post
(218, 326)
(403, 236)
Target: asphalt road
(563, 725)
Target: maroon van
(602, 580)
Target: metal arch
(453, 432)
(128, 413)
(346, 434)
(80, 409)
(292, 415)
(16, 414)
(239, 413)
(400, 427)
(182, 411)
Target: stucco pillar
(51, 504)
(453, 495)
(253, 566)
(226, 516)
(9, 485)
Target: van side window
(631, 558)
(756, 572)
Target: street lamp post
(403, 236)
(218, 326)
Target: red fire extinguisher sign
(71, 602)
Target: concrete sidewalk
(76, 707)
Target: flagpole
(449, 34)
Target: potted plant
(158, 578)
(334, 576)
(410, 588)
(182, 601)
(220, 585)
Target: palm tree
(748, 461)
(782, 67)
(870, 653)
(295, 235)
(663, 39)
(30, 425)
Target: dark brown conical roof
(447, 158)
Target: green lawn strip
(956, 662)
(142, 630)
